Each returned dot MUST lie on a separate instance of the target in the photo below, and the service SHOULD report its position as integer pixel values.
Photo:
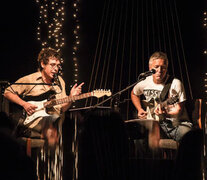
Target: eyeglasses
(53, 66)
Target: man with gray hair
(165, 96)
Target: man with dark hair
(39, 86)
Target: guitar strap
(164, 93)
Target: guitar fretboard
(67, 99)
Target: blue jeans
(175, 132)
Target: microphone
(4, 82)
(148, 73)
(56, 78)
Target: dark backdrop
(19, 45)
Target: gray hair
(158, 55)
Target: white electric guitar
(42, 105)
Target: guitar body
(39, 102)
(40, 111)
(18, 114)
(150, 111)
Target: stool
(169, 148)
(30, 143)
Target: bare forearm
(14, 98)
(175, 109)
(136, 101)
(66, 106)
(75, 91)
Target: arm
(75, 91)
(175, 109)
(66, 106)
(29, 108)
(137, 103)
(172, 110)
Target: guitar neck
(164, 103)
(67, 99)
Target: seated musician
(46, 83)
(172, 115)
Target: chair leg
(28, 146)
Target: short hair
(158, 55)
(45, 54)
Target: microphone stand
(120, 92)
(50, 84)
(6, 84)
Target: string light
(76, 36)
(51, 20)
(205, 19)
(205, 51)
(205, 84)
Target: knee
(181, 131)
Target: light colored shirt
(152, 91)
(36, 90)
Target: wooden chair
(195, 109)
(30, 143)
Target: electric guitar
(150, 107)
(42, 105)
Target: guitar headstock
(100, 93)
